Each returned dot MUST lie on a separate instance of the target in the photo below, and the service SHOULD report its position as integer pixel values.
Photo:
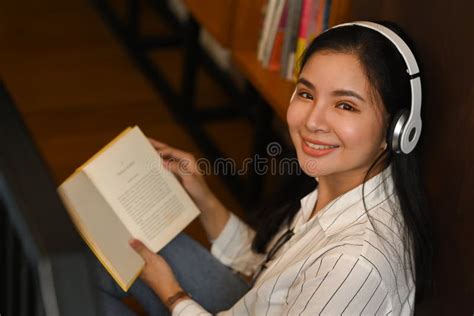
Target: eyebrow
(337, 93)
(305, 82)
(347, 93)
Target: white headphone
(405, 129)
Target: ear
(383, 144)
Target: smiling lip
(317, 152)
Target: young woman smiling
(350, 237)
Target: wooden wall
(443, 33)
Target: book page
(148, 199)
(101, 229)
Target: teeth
(319, 146)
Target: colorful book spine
(327, 14)
(320, 17)
(303, 30)
(288, 27)
(312, 21)
(267, 51)
(291, 36)
(266, 26)
(294, 40)
(275, 57)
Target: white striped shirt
(338, 262)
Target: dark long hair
(386, 71)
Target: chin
(319, 166)
(314, 173)
(310, 166)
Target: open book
(124, 191)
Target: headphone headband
(407, 133)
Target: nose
(316, 119)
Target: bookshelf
(236, 24)
(246, 31)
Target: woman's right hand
(183, 165)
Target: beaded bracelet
(173, 298)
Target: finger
(175, 153)
(141, 249)
(174, 168)
(181, 167)
(157, 144)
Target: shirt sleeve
(233, 247)
(336, 285)
(188, 308)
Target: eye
(305, 95)
(346, 106)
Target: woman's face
(335, 122)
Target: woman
(355, 241)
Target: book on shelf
(275, 57)
(288, 28)
(125, 192)
(269, 10)
(275, 35)
(312, 26)
(320, 17)
(291, 38)
(308, 13)
(327, 14)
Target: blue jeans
(200, 274)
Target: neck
(334, 185)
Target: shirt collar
(348, 207)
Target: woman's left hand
(156, 273)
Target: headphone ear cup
(394, 132)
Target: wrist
(212, 209)
(208, 203)
(213, 217)
(164, 292)
(176, 298)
